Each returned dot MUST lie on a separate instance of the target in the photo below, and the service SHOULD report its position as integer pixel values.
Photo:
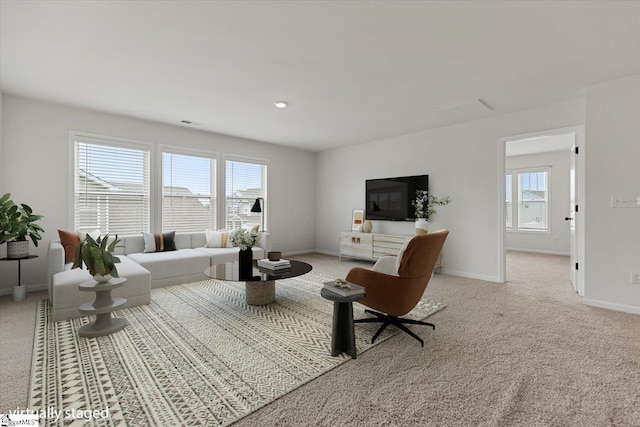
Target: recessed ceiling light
(281, 104)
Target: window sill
(528, 231)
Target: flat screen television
(390, 198)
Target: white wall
(557, 240)
(1, 138)
(612, 168)
(35, 169)
(463, 161)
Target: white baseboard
(538, 251)
(612, 305)
(320, 251)
(312, 251)
(294, 253)
(444, 271)
(471, 275)
(30, 288)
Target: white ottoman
(66, 297)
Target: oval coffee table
(261, 288)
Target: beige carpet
(198, 355)
(524, 353)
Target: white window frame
(516, 200)
(511, 174)
(214, 177)
(223, 188)
(117, 143)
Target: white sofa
(143, 271)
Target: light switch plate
(625, 202)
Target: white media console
(371, 246)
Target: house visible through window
(188, 192)
(532, 194)
(113, 179)
(111, 186)
(245, 181)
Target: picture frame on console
(357, 218)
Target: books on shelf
(344, 289)
(282, 264)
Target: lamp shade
(256, 206)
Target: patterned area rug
(196, 356)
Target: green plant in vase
(16, 223)
(97, 256)
(424, 205)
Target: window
(188, 192)
(532, 200)
(111, 186)
(246, 180)
(532, 194)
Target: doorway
(542, 177)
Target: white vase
(421, 226)
(102, 279)
(367, 226)
(19, 293)
(17, 249)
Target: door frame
(580, 198)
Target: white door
(572, 218)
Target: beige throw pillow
(217, 239)
(251, 228)
(214, 239)
(400, 255)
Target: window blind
(245, 182)
(111, 188)
(188, 193)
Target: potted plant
(245, 240)
(425, 204)
(97, 255)
(16, 223)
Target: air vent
(466, 110)
(186, 122)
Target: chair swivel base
(398, 322)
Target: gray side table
(102, 307)
(343, 337)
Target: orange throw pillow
(70, 241)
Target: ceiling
(351, 71)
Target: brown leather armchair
(395, 284)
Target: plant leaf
(103, 242)
(98, 260)
(77, 261)
(113, 244)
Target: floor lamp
(257, 208)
